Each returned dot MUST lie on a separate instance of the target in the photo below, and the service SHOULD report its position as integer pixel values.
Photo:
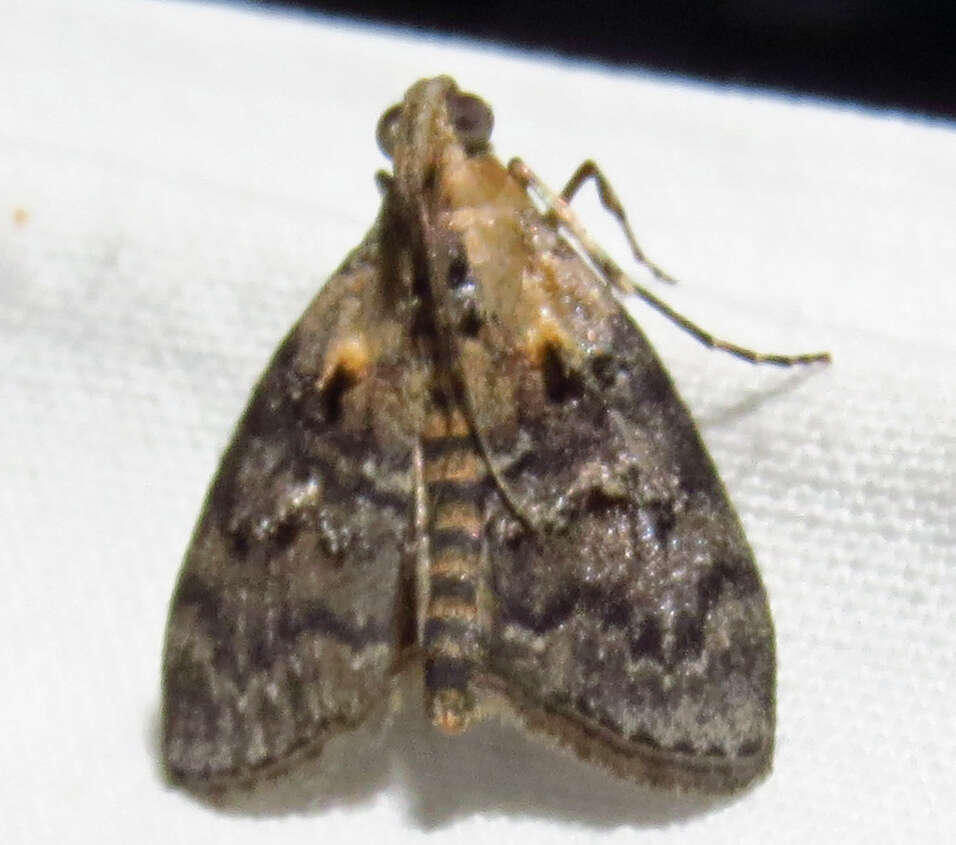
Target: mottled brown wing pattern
(291, 610)
(467, 448)
(631, 624)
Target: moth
(466, 457)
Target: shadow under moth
(466, 456)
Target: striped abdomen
(455, 629)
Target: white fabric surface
(177, 180)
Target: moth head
(469, 116)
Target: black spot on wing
(458, 270)
(561, 383)
(333, 393)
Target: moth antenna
(516, 508)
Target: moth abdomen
(454, 633)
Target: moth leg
(559, 214)
(618, 279)
(609, 199)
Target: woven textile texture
(176, 180)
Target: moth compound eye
(472, 120)
(387, 130)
